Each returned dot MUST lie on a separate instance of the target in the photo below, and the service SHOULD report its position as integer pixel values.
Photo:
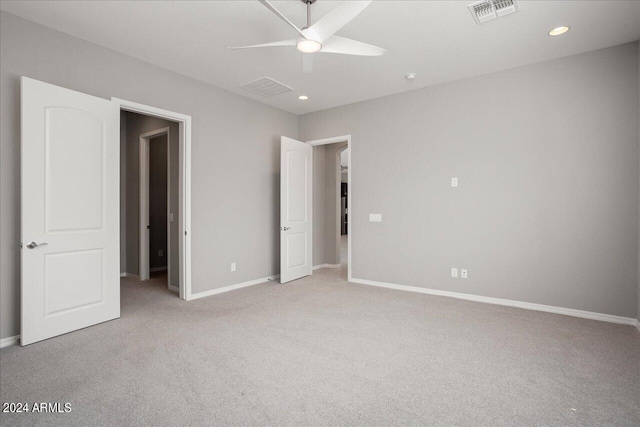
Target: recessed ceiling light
(303, 97)
(308, 46)
(410, 76)
(558, 31)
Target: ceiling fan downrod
(308, 3)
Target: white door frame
(184, 184)
(334, 140)
(144, 257)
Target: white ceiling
(438, 40)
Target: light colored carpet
(319, 351)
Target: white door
(70, 211)
(296, 168)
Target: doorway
(304, 192)
(343, 216)
(337, 229)
(155, 197)
(149, 199)
(158, 203)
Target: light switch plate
(454, 272)
(454, 182)
(233, 266)
(463, 273)
(375, 217)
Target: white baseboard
(511, 303)
(6, 342)
(123, 274)
(133, 276)
(232, 287)
(156, 269)
(638, 323)
(316, 267)
(174, 288)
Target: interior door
(296, 168)
(70, 211)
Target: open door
(296, 169)
(70, 211)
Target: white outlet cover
(375, 217)
(233, 266)
(463, 274)
(454, 182)
(454, 272)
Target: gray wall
(638, 306)
(236, 146)
(547, 207)
(138, 124)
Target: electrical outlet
(463, 273)
(160, 253)
(233, 266)
(454, 182)
(454, 272)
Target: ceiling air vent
(488, 10)
(266, 86)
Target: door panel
(295, 210)
(83, 212)
(73, 280)
(70, 210)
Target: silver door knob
(33, 245)
(285, 228)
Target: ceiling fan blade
(307, 62)
(281, 16)
(272, 44)
(329, 24)
(336, 44)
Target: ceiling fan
(320, 37)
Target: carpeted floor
(319, 351)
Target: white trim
(131, 275)
(145, 146)
(233, 287)
(174, 289)
(498, 301)
(156, 269)
(123, 274)
(9, 341)
(638, 323)
(333, 140)
(317, 267)
(184, 185)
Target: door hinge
(20, 245)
